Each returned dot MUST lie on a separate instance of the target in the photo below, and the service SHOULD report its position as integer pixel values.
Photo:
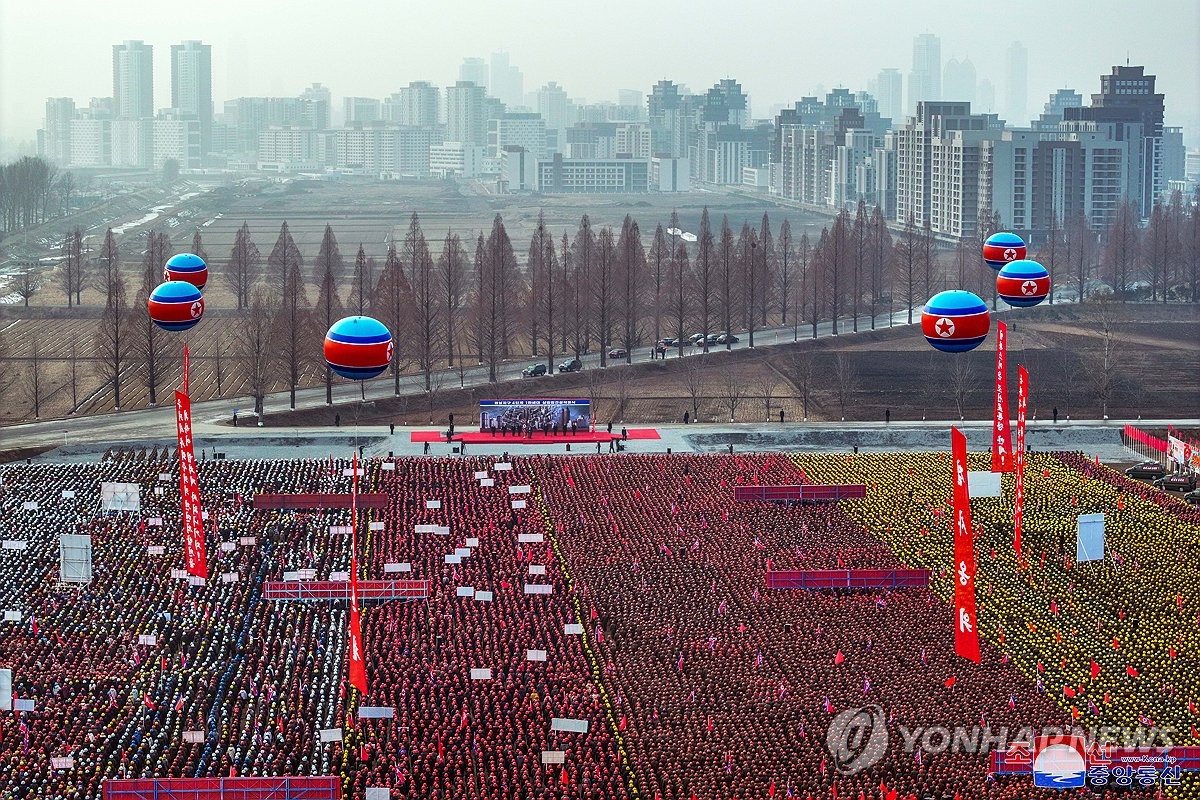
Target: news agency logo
(857, 739)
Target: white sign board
(228, 547)
(983, 484)
(483, 597)
(349, 472)
(487, 482)
(539, 588)
(387, 466)
(120, 497)
(503, 466)
(13, 544)
(572, 629)
(378, 792)
(481, 475)
(518, 504)
(433, 503)
(12, 616)
(535, 655)
(569, 725)
(331, 734)
(229, 577)
(529, 538)
(164, 477)
(376, 712)
(376, 526)
(394, 567)
(148, 639)
(75, 558)
(1089, 544)
(464, 591)
(481, 674)
(154, 522)
(62, 762)
(462, 552)
(453, 559)
(246, 541)
(5, 690)
(193, 737)
(519, 489)
(195, 580)
(472, 541)
(537, 569)
(24, 704)
(68, 494)
(340, 530)
(179, 574)
(554, 757)
(339, 576)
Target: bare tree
(198, 246)
(630, 282)
(427, 296)
(908, 264)
(803, 261)
(293, 322)
(695, 378)
(1080, 243)
(802, 376)
(767, 383)
(151, 346)
(33, 386)
(73, 369)
(242, 269)
(860, 244)
(765, 276)
(963, 380)
(218, 361)
(540, 313)
(785, 274)
(1191, 249)
(362, 284)
(72, 266)
(498, 293)
(880, 262)
(329, 305)
(659, 260)
(257, 352)
(1105, 373)
(845, 379)
(1157, 250)
(396, 305)
(838, 262)
(1121, 250)
(113, 338)
(727, 268)
(108, 263)
(578, 259)
(733, 390)
(705, 269)
(603, 289)
(28, 283)
(452, 275)
(680, 296)
(567, 294)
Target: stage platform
(583, 437)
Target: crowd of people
(695, 681)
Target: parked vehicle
(1192, 497)
(618, 352)
(1147, 469)
(727, 338)
(534, 371)
(1177, 482)
(571, 365)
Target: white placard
(453, 559)
(573, 629)
(246, 541)
(204, 515)
(12, 616)
(120, 497)
(154, 522)
(388, 466)
(465, 591)
(14, 544)
(228, 547)
(229, 577)
(503, 466)
(159, 491)
(193, 737)
(378, 792)
(393, 567)
(433, 503)
(529, 538)
(339, 576)
(376, 526)
(539, 588)
(23, 704)
(164, 477)
(481, 475)
(148, 639)
(349, 472)
(442, 530)
(5, 690)
(1089, 542)
(569, 725)
(426, 529)
(156, 550)
(481, 674)
(62, 762)
(29, 505)
(519, 489)
(462, 552)
(331, 734)
(68, 494)
(291, 576)
(554, 757)
(195, 580)
(472, 541)
(485, 482)
(537, 569)
(483, 597)
(340, 530)
(307, 574)
(376, 712)
(535, 655)
(518, 504)
(75, 558)
(179, 574)
(983, 483)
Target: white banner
(228, 547)
(229, 577)
(983, 484)
(453, 559)
(120, 497)
(195, 580)
(376, 712)
(485, 482)
(68, 494)
(5, 690)
(433, 504)
(387, 466)
(75, 558)
(464, 591)
(1089, 542)
(554, 757)
(535, 655)
(339, 576)
(178, 574)
(472, 541)
(340, 530)
(24, 704)
(519, 489)
(29, 505)
(529, 538)
(376, 526)
(378, 792)
(246, 541)
(462, 552)
(503, 466)
(165, 477)
(148, 639)
(537, 569)
(349, 472)
(62, 762)
(518, 504)
(394, 567)
(481, 674)
(569, 725)
(331, 735)
(539, 588)
(481, 475)
(154, 522)
(12, 616)
(13, 544)
(193, 737)
(573, 629)
(483, 597)
(426, 528)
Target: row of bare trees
(32, 191)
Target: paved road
(152, 422)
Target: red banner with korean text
(1002, 460)
(190, 513)
(966, 633)
(358, 667)
(1019, 478)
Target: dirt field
(1158, 363)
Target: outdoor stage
(583, 437)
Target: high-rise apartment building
(465, 120)
(517, 129)
(419, 103)
(361, 109)
(1055, 107)
(475, 70)
(54, 139)
(317, 105)
(1016, 85)
(191, 86)
(555, 108)
(925, 80)
(507, 83)
(133, 80)
(889, 91)
(958, 80)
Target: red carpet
(476, 437)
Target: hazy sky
(778, 49)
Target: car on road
(696, 338)
(1192, 497)
(570, 365)
(727, 338)
(618, 352)
(1146, 469)
(534, 371)
(1177, 482)
(711, 339)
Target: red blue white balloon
(1023, 283)
(175, 305)
(358, 347)
(186, 267)
(955, 321)
(1003, 248)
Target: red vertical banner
(190, 513)
(185, 369)
(966, 633)
(1019, 478)
(1001, 442)
(358, 667)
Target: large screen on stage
(535, 412)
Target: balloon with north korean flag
(187, 267)
(1003, 248)
(175, 306)
(358, 347)
(1023, 283)
(955, 321)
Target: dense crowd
(711, 685)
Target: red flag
(148, 702)
(771, 790)
(179, 704)
(1095, 670)
(1069, 691)
(564, 777)
(191, 515)
(892, 794)
(839, 658)
(1019, 477)
(358, 667)
(951, 681)
(1130, 671)
(966, 636)
(1001, 443)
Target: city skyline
(804, 70)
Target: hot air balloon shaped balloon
(955, 321)
(186, 267)
(175, 305)
(358, 347)
(1003, 248)
(1023, 283)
